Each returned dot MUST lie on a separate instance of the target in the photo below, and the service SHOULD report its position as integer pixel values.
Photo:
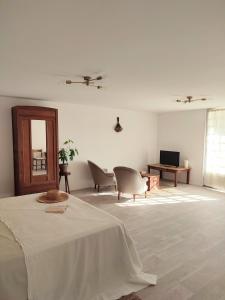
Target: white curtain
(215, 150)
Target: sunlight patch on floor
(168, 195)
(109, 193)
(157, 200)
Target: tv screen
(170, 158)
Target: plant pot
(63, 168)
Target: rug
(131, 296)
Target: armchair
(100, 176)
(130, 181)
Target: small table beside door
(65, 174)
(170, 169)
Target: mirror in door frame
(39, 150)
(35, 145)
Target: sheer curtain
(215, 150)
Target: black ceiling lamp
(189, 99)
(88, 81)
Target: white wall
(92, 130)
(184, 132)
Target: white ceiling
(150, 51)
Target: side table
(153, 180)
(65, 174)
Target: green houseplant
(66, 154)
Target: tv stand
(170, 169)
(170, 166)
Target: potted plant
(66, 154)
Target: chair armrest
(145, 179)
(109, 174)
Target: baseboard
(6, 195)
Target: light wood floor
(180, 236)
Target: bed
(82, 254)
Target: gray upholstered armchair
(130, 181)
(100, 176)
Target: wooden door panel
(24, 146)
(51, 155)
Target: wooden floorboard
(180, 236)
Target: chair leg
(115, 188)
(145, 194)
(134, 197)
(118, 195)
(95, 186)
(98, 188)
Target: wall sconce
(118, 127)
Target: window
(215, 150)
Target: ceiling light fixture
(88, 81)
(190, 99)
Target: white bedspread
(83, 254)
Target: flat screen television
(170, 158)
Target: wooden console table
(170, 169)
